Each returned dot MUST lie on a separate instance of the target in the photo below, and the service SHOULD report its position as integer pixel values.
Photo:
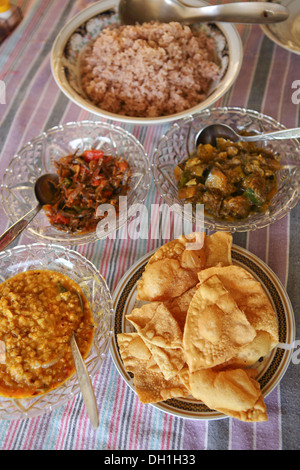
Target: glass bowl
(89, 23)
(94, 287)
(179, 142)
(38, 157)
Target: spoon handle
(250, 12)
(14, 230)
(284, 134)
(85, 384)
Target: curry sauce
(39, 311)
(232, 180)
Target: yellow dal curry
(39, 311)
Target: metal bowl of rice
(143, 74)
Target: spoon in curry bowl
(84, 380)
(137, 11)
(209, 134)
(85, 384)
(83, 377)
(45, 190)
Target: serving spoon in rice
(164, 11)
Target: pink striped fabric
(33, 104)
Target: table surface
(33, 104)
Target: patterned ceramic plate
(270, 370)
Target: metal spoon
(46, 193)
(137, 11)
(210, 133)
(85, 384)
(84, 380)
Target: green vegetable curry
(232, 179)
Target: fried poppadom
(152, 387)
(233, 392)
(150, 383)
(205, 323)
(251, 298)
(174, 267)
(134, 353)
(251, 353)
(215, 327)
(218, 249)
(155, 323)
(161, 333)
(179, 306)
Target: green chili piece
(184, 178)
(60, 287)
(250, 194)
(67, 182)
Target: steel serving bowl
(287, 33)
(88, 24)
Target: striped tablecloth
(34, 103)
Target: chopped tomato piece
(108, 158)
(93, 154)
(99, 181)
(61, 219)
(84, 171)
(122, 166)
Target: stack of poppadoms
(204, 324)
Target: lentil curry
(39, 311)
(232, 180)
